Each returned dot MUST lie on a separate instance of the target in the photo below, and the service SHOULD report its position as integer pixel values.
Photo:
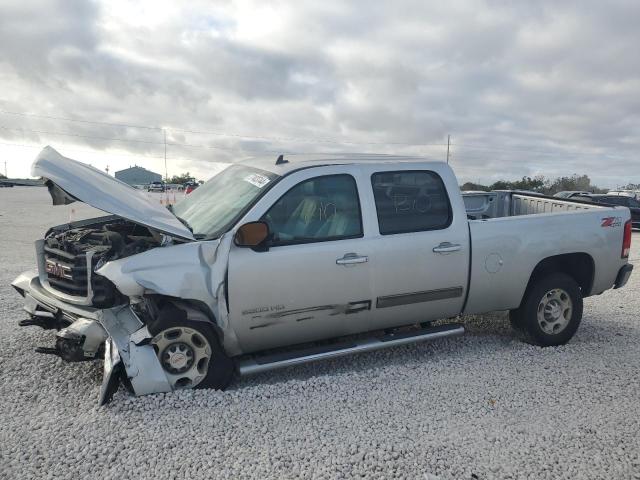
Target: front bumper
(623, 276)
(128, 350)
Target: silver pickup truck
(276, 262)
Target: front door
(313, 282)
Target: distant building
(138, 176)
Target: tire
(550, 312)
(515, 320)
(189, 351)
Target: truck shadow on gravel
(486, 337)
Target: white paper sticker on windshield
(257, 180)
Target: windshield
(211, 209)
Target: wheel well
(579, 266)
(196, 310)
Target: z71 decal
(611, 222)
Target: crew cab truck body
(273, 263)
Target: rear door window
(410, 201)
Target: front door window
(317, 210)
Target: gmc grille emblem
(57, 270)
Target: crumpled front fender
(190, 271)
(113, 372)
(178, 270)
(128, 347)
(128, 350)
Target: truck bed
(507, 203)
(511, 232)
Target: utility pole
(448, 145)
(166, 172)
(5, 169)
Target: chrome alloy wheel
(554, 311)
(184, 354)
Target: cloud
(523, 88)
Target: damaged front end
(148, 283)
(86, 333)
(100, 282)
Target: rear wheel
(189, 352)
(551, 311)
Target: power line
(95, 137)
(480, 155)
(128, 140)
(518, 149)
(523, 149)
(213, 147)
(64, 119)
(39, 147)
(222, 134)
(125, 140)
(170, 144)
(306, 140)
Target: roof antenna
(281, 160)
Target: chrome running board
(262, 363)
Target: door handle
(446, 247)
(352, 259)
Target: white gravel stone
(477, 407)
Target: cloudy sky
(523, 88)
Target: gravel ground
(479, 406)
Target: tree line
(540, 184)
(183, 178)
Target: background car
(156, 187)
(190, 187)
(622, 200)
(570, 193)
(626, 193)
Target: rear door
(314, 281)
(421, 245)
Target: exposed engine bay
(73, 252)
(116, 238)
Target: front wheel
(551, 311)
(189, 352)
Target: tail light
(626, 239)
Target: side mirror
(251, 234)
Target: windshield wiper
(182, 220)
(185, 223)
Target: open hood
(69, 180)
